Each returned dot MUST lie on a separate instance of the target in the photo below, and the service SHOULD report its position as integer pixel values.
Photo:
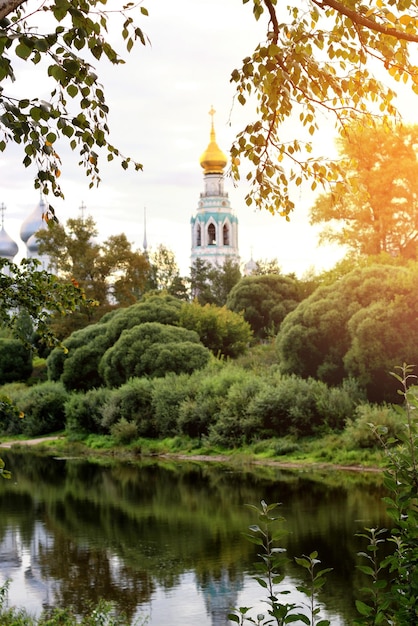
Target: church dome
(33, 222)
(213, 160)
(32, 246)
(8, 247)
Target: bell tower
(214, 225)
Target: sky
(159, 115)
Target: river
(164, 540)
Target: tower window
(211, 235)
(226, 235)
(198, 235)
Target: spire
(213, 160)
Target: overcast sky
(160, 102)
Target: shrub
(237, 424)
(287, 405)
(43, 406)
(128, 357)
(337, 404)
(358, 432)
(221, 330)
(84, 411)
(167, 395)
(124, 432)
(80, 369)
(10, 424)
(132, 402)
(56, 360)
(206, 393)
(15, 361)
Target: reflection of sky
(186, 604)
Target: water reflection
(166, 538)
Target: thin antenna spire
(2, 209)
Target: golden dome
(213, 160)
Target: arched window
(211, 235)
(226, 235)
(198, 235)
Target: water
(163, 540)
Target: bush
(359, 433)
(237, 424)
(10, 424)
(15, 361)
(338, 404)
(123, 432)
(222, 331)
(206, 393)
(286, 405)
(129, 357)
(80, 369)
(167, 395)
(132, 402)
(84, 412)
(43, 406)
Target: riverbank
(306, 456)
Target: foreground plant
(395, 601)
(270, 573)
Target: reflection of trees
(120, 531)
(87, 574)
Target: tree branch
(367, 22)
(7, 6)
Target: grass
(329, 449)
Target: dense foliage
(378, 211)
(15, 361)
(265, 301)
(159, 334)
(358, 326)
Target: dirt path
(27, 442)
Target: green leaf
(23, 51)
(363, 608)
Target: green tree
(164, 273)
(264, 301)
(211, 284)
(224, 332)
(109, 273)
(379, 210)
(313, 63)
(355, 327)
(78, 365)
(26, 289)
(266, 266)
(15, 361)
(152, 349)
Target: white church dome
(8, 247)
(33, 222)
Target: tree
(313, 65)
(25, 288)
(164, 273)
(110, 273)
(264, 301)
(378, 213)
(152, 349)
(313, 61)
(76, 110)
(211, 284)
(266, 266)
(224, 332)
(357, 327)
